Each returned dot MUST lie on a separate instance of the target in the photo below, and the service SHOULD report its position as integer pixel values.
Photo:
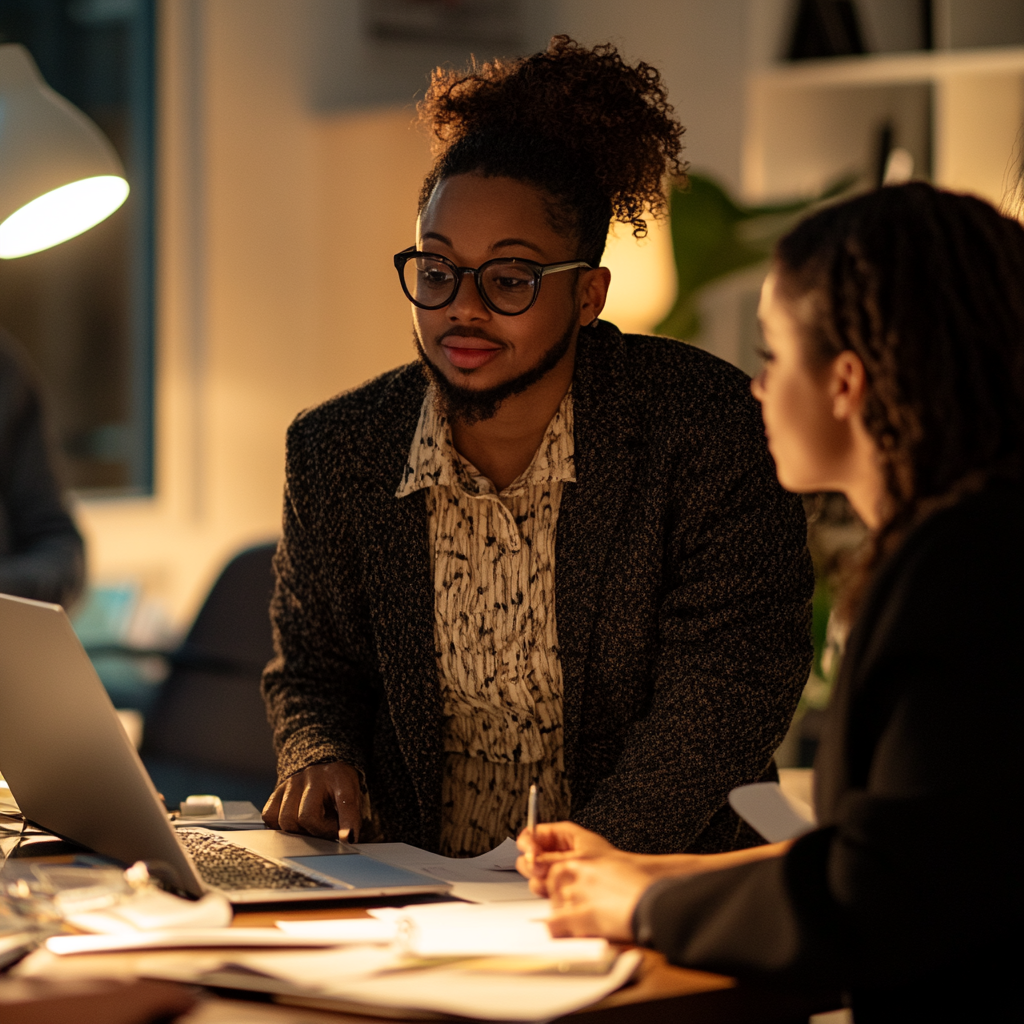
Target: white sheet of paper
(486, 996)
(320, 970)
(500, 929)
(355, 976)
(766, 809)
(501, 858)
(344, 930)
(181, 938)
(489, 878)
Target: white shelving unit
(958, 112)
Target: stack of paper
(493, 962)
(435, 930)
(334, 982)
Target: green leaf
(714, 236)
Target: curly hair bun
(594, 132)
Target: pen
(531, 810)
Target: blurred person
(544, 552)
(894, 328)
(41, 551)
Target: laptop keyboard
(224, 865)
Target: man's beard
(469, 406)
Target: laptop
(75, 773)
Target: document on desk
(180, 938)
(462, 989)
(431, 930)
(373, 980)
(493, 962)
(489, 878)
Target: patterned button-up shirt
(493, 565)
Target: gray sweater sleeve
(322, 687)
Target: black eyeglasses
(507, 286)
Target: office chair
(207, 731)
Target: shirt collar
(434, 462)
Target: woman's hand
(596, 897)
(322, 800)
(553, 843)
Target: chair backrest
(233, 625)
(210, 712)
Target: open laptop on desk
(75, 773)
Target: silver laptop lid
(63, 751)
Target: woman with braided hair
(894, 327)
(545, 553)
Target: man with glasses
(544, 553)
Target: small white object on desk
(204, 806)
(153, 910)
(767, 810)
(209, 809)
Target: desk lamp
(59, 175)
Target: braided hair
(925, 286)
(596, 135)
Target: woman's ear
(848, 385)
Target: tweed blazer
(682, 587)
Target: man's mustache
(471, 332)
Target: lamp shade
(59, 174)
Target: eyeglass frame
(540, 271)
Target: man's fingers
(312, 816)
(272, 807)
(288, 815)
(347, 813)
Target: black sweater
(909, 892)
(682, 588)
(41, 553)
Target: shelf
(893, 68)
(958, 112)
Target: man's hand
(596, 897)
(553, 843)
(322, 800)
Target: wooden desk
(660, 992)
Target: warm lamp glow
(61, 214)
(643, 284)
